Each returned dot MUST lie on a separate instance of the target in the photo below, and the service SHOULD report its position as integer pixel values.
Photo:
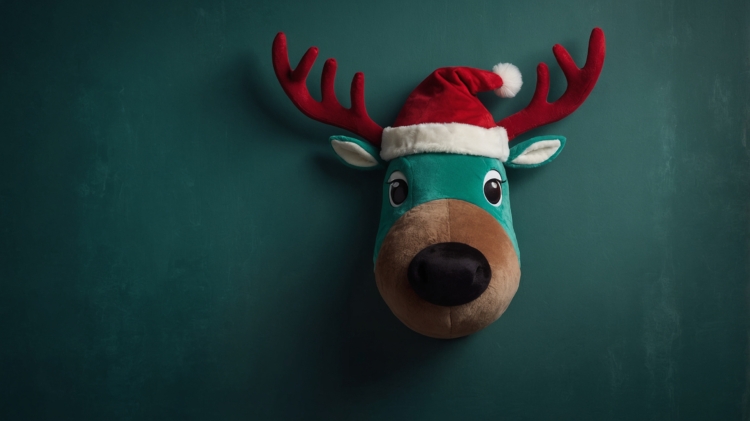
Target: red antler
(329, 110)
(580, 83)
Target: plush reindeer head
(446, 257)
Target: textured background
(177, 241)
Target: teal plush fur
(434, 176)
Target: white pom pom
(511, 79)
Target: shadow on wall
(344, 339)
(372, 345)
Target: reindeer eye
(493, 187)
(398, 189)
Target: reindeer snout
(447, 268)
(449, 274)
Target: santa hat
(443, 114)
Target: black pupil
(492, 191)
(399, 190)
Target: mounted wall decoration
(446, 257)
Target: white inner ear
(353, 154)
(538, 152)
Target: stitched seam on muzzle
(450, 239)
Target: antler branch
(580, 84)
(328, 110)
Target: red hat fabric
(448, 95)
(443, 114)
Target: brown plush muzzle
(447, 269)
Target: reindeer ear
(356, 153)
(535, 152)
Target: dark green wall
(178, 242)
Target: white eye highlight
(398, 189)
(493, 187)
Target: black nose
(449, 274)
